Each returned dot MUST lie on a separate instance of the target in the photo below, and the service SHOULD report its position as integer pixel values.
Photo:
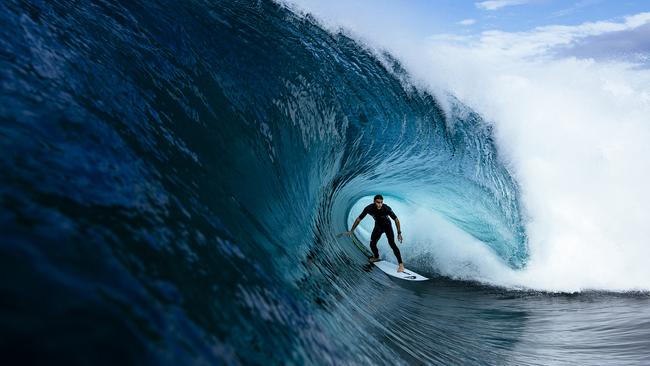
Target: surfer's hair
(378, 197)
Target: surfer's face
(378, 203)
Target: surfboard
(388, 267)
(391, 270)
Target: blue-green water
(174, 174)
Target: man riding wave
(381, 213)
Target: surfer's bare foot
(373, 259)
(400, 268)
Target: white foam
(576, 133)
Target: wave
(570, 130)
(190, 170)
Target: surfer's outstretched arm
(354, 226)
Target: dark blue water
(173, 176)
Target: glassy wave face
(174, 175)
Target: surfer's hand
(348, 233)
(399, 237)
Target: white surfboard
(391, 270)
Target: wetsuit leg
(391, 241)
(374, 237)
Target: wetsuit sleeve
(363, 213)
(391, 213)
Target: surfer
(380, 212)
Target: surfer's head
(379, 200)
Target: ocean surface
(173, 177)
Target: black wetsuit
(382, 225)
